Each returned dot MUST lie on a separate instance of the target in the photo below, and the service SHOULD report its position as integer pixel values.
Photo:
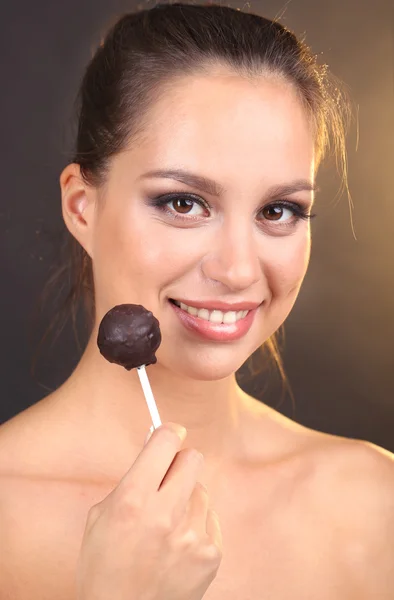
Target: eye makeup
(178, 206)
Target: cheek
(287, 267)
(285, 270)
(135, 257)
(162, 251)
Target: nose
(233, 258)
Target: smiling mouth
(214, 316)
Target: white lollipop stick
(154, 413)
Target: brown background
(339, 352)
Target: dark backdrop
(339, 352)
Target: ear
(78, 204)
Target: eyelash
(161, 202)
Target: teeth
(214, 316)
(230, 317)
(203, 313)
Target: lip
(219, 332)
(219, 304)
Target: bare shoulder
(345, 464)
(42, 512)
(20, 438)
(42, 522)
(353, 484)
(334, 503)
(348, 477)
(359, 474)
(45, 441)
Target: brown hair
(141, 55)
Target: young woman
(201, 129)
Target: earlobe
(77, 205)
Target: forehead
(229, 124)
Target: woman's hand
(153, 537)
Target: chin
(205, 365)
(203, 374)
(212, 373)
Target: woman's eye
(276, 212)
(186, 206)
(179, 206)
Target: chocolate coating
(129, 335)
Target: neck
(113, 406)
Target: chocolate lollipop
(129, 336)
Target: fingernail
(179, 430)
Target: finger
(197, 509)
(213, 529)
(151, 465)
(179, 483)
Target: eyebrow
(209, 186)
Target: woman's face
(236, 248)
